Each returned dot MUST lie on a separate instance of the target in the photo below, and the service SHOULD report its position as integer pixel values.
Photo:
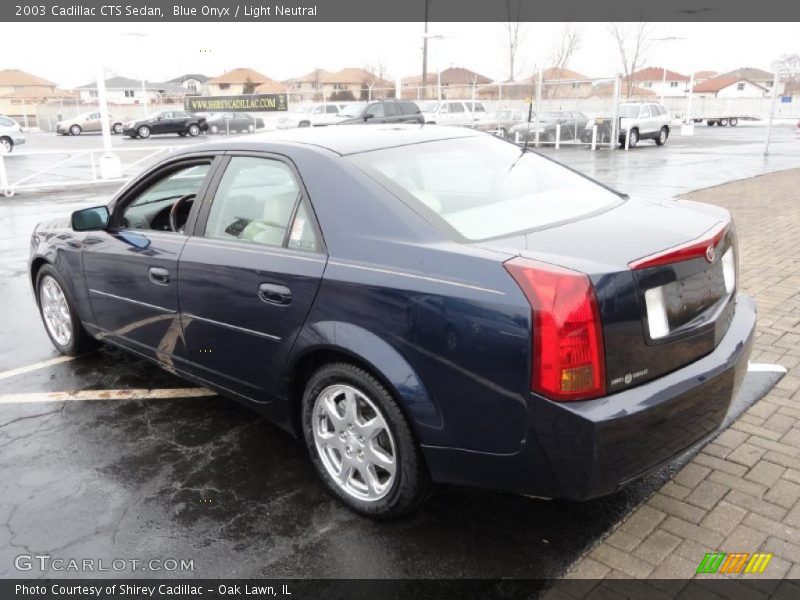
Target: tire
(634, 138)
(194, 130)
(69, 337)
(711, 123)
(182, 133)
(502, 133)
(213, 129)
(116, 128)
(723, 122)
(393, 494)
(733, 121)
(251, 128)
(6, 145)
(304, 124)
(663, 136)
(75, 130)
(144, 132)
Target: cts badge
(710, 253)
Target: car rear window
(483, 187)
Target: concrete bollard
(4, 189)
(594, 137)
(558, 135)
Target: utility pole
(425, 53)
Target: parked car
(311, 115)
(604, 336)
(233, 122)
(87, 122)
(500, 122)
(571, 127)
(380, 111)
(171, 121)
(645, 121)
(10, 134)
(453, 112)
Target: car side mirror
(90, 219)
(368, 116)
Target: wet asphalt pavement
(208, 480)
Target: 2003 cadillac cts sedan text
(422, 304)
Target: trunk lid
(660, 309)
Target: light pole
(671, 38)
(141, 36)
(435, 36)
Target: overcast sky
(68, 53)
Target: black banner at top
(398, 10)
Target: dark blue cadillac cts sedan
(421, 304)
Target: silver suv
(10, 134)
(645, 120)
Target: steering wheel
(173, 212)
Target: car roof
(346, 139)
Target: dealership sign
(243, 103)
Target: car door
(92, 122)
(131, 268)
(180, 121)
(456, 113)
(249, 275)
(646, 121)
(376, 113)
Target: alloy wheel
(354, 442)
(55, 310)
(5, 146)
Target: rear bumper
(582, 450)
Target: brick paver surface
(742, 492)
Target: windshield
(629, 110)
(550, 116)
(304, 109)
(484, 187)
(504, 115)
(353, 110)
(429, 106)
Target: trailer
(723, 121)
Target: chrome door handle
(272, 293)
(159, 275)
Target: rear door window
(254, 202)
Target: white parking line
(766, 367)
(136, 394)
(35, 366)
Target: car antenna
(530, 114)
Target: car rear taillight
(568, 354)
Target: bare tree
(378, 75)
(632, 41)
(515, 35)
(788, 65)
(565, 44)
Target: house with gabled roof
(237, 81)
(662, 81)
(730, 86)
